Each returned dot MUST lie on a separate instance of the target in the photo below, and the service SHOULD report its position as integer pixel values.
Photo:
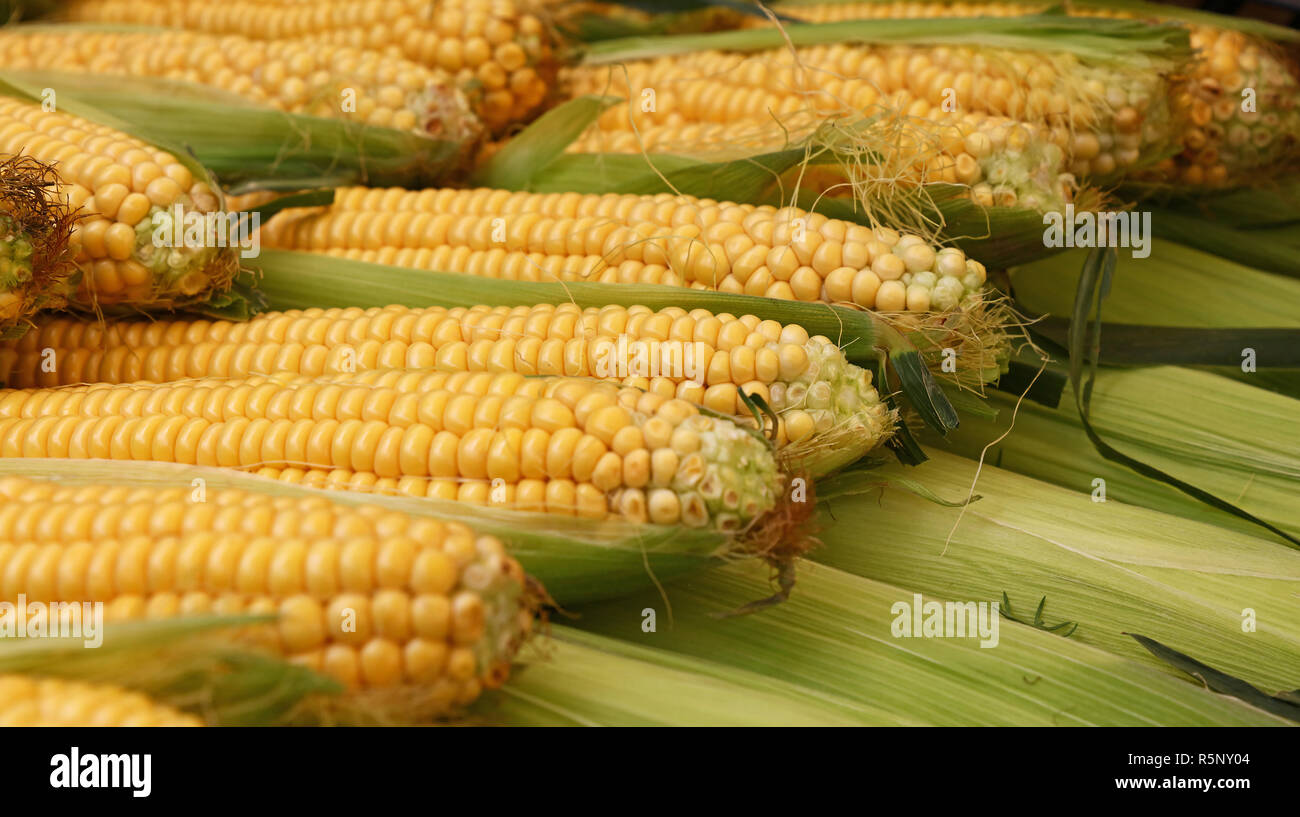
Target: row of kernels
(214, 563)
(33, 701)
(336, 326)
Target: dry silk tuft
(35, 231)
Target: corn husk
(1271, 248)
(1229, 438)
(1173, 301)
(1176, 286)
(1111, 567)
(580, 679)
(833, 637)
(1119, 41)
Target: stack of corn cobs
(563, 316)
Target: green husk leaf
(1169, 289)
(540, 144)
(996, 237)
(309, 198)
(833, 637)
(1155, 10)
(652, 18)
(902, 443)
(294, 280)
(967, 404)
(1021, 378)
(865, 478)
(1233, 439)
(580, 679)
(1172, 287)
(747, 179)
(1273, 249)
(1094, 285)
(1246, 25)
(1270, 203)
(1283, 704)
(1112, 567)
(1122, 41)
(250, 147)
(1129, 344)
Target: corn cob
(1012, 120)
(376, 599)
(561, 445)
(1220, 142)
(704, 359)
(500, 53)
(28, 701)
(35, 230)
(125, 189)
(298, 77)
(664, 239)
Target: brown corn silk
(35, 230)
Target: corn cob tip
(831, 413)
